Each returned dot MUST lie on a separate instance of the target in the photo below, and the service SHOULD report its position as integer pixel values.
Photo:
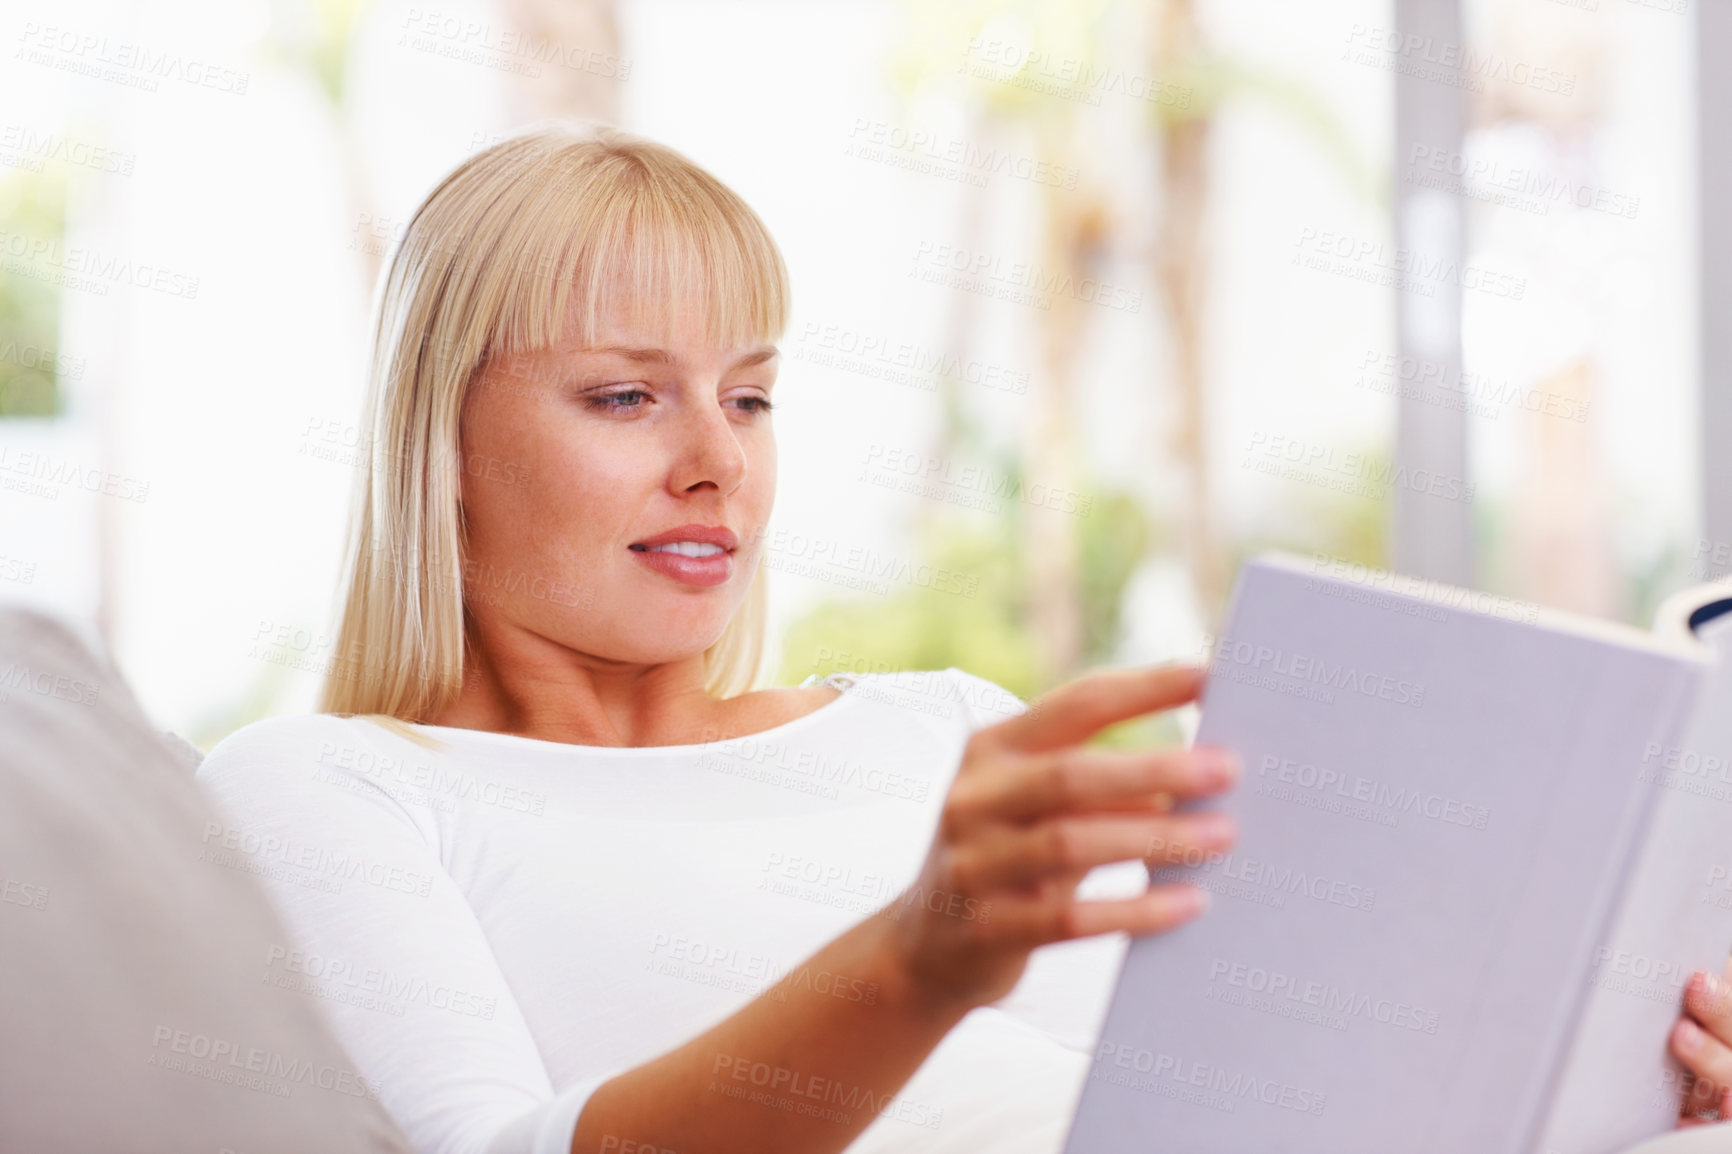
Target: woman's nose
(709, 450)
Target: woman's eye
(756, 404)
(625, 399)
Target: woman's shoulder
(313, 774)
(286, 733)
(988, 700)
(298, 742)
(954, 692)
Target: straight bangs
(663, 233)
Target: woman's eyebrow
(663, 357)
(757, 357)
(647, 356)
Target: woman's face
(585, 469)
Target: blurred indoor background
(1092, 299)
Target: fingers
(1709, 1000)
(1057, 886)
(1015, 855)
(1079, 779)
(1077, 710)
(1030, 813)
(1699, 1042)
(1028, 923)
(1694, 1113)
(1708, 1060)
(1702, 1041)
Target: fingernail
(1187, 901)
(1211, 828)
(1689, 1036)
(1220, 768)
(1707, 984)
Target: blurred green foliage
(34, 206)
(1311, 520)
(984, 633)
(987, 634)
(963, 48)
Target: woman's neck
(521, 683)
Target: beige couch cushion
(132, 1014)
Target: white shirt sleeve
(385, 943)
(985, 702)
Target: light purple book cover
(1441, 802)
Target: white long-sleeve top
(497, 927)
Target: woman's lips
(711, 570)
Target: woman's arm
(1028, 815)
(381, 940)
(795, 1070)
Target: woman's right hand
(1031, 812)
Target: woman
(563, 878)
(563, 881)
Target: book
(1482, 846)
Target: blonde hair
(486, 266)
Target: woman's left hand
(1702, 1040)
